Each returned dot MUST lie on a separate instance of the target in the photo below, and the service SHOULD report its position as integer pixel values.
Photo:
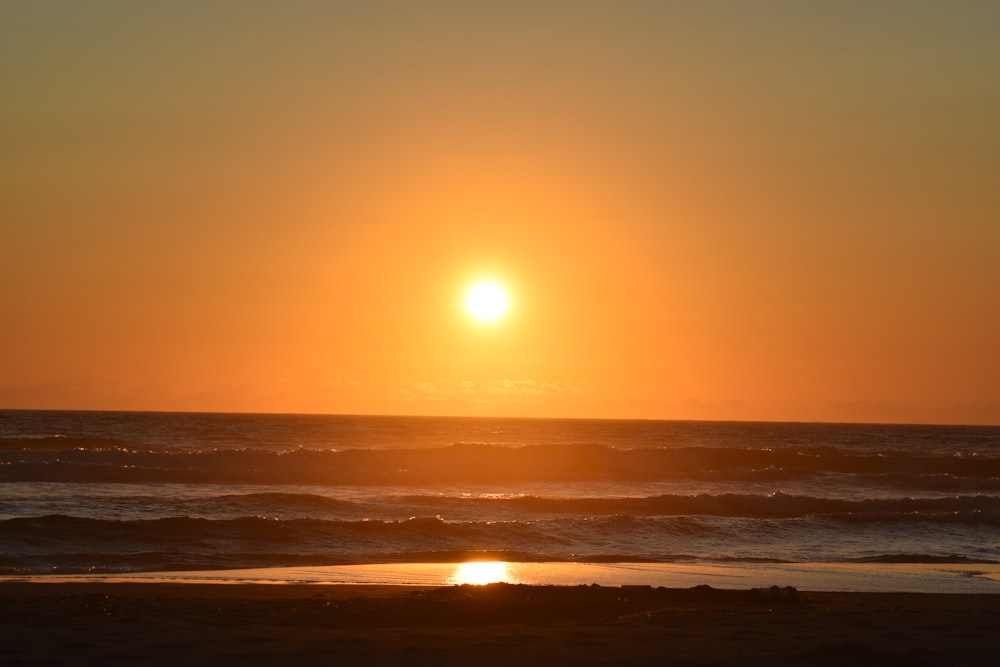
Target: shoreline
(122, 622)
(927, 578)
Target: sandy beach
(119, 623)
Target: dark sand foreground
(500, 624)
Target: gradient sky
(701, 210)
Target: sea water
(118, 492)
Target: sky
(699, 210)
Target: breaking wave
(469, 463)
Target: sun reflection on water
(481, 572)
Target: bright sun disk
(486, 301)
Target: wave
(66, 543)
(478, 464)
(774, 505)
(306, 505)
(746, 505)
(62, 543)
(921, 558)
(58, 442)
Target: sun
(486, 301)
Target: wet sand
(118, 623)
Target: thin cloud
(493, 391)
(346, 382)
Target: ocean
(126, 492)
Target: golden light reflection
(481, 572)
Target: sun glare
(479, 573)
(486, 301)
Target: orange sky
(701, 210)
